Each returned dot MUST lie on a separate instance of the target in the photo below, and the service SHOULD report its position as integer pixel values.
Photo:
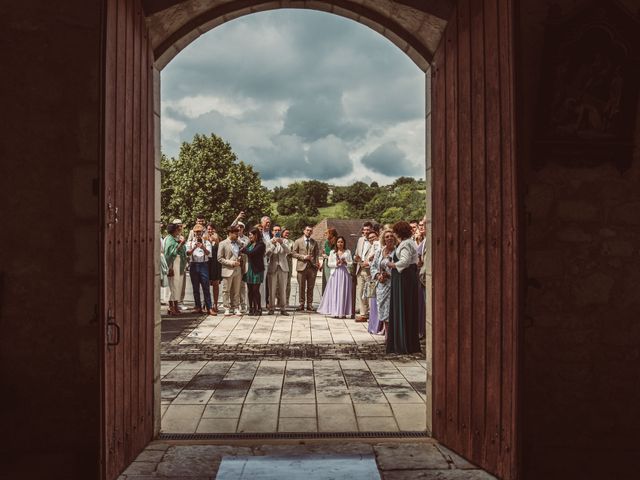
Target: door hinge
(113, 329)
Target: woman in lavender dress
(336, 300)
(382, 273)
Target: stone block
(617, 248)
(410, 456)
(626, 214)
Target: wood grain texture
(128, 254)
(475, 251)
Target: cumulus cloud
(298, 94)
(389, 159)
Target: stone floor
(303, 372)
(395, 460)
(293, 396)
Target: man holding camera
(199, 250)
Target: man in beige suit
(305, 250)
(229, 258)
(363, 272)
(278, 270)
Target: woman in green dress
(329, 245)
(403, 332)
(254, 277)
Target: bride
(336, 300)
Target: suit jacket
(278, 255)
(364, 249)
(300, 250)
(226, 257)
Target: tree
(302, 198)
(208, 178)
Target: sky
(300, 94)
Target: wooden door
(474, 237)
(128, 249)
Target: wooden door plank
(479, 344)
(108, 173)
(136, 250)
(439, 87)
(465, 225)
(127, 230)
(509, 275)
(151, 233)
(452, 240)
(494, 236)
(118, 230)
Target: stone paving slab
(394, 460)
(339, 395)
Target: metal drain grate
(288, 435)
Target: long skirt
(375, 324)
(176, 281)
(336, 300)
(403, 336)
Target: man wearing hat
(199, 251)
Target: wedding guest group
(382, 280)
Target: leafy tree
(208, 178)
(303, 198)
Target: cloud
(290, 157)
(287, 88)
(389, 159)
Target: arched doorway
(468, 62)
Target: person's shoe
(196, 310)
(228, 312)
(300, 308)
(361, 319)
(270, 312)
(284, 313)
(310, 309)
(212, 312)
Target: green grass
(338, 210)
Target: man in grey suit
(229, 258)
(305, 251)
(278, 270)
(363, 272)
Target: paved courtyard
(303, 372)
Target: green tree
(208, 178)
(302, 198)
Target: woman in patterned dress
(381, 272)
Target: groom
(305, 250)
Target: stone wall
(581, 346)
(49, 192)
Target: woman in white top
(403, 332)
(336, 300)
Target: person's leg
(215, 286)
(281, 282)
(311, 283)
(258, 297)
(236, 287)
(226, 293)
(194, 275)
(302, 284)
(288, 292)
(272, 293)
(204, 283)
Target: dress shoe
(212, 312)
(300, 308)
(284, 312)
(361, 319)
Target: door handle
(112, 326)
